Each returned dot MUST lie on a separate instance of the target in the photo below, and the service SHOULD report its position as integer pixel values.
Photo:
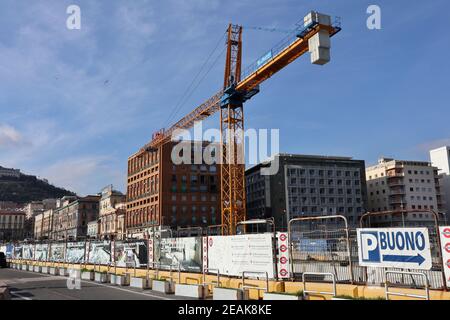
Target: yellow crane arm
(280, 56)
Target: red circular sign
(447, 247)
(283, 237)
(283, 260)
(283, 248)
(448, 263)
(283, 272)
(446, 233)
(210, 242)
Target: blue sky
(74, 104)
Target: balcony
(397, 200)
(395, 181)
(397, 192)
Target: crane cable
(191, 88)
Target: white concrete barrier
(24, 267)
(87, 275)
(123, 280)
(101, 277)
(163, 286)
(44, 269)
(112, 278)
(229, 294)
(74, 273)
(140, 283)
(197, 291)
(279, 296)
(54, 271)
(37, 269)
(63, 272)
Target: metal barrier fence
(322, 246)
(327, 245)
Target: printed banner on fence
(131, 254)
(233, 255)
(18, 251)
(183, 252)
(75, 252)
(41, 252)
(28, 252)
(404, 248)
(57, 252)
(100, 252)
(444, 233)
(9, 250)
(283, 255)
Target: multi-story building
(440, 158)
(12, 225)
(162, 193)
(10, 173)
(43, 225)
(92, 229)
(112, 214)
(395, 185)
(34, 209)
(70, 220)
(306, 186)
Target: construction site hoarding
(232, 255)
(131, 254)
(75, 252)
(28, 252)
(41, 252)
(57, 252)
(100, 252)
(185, 253)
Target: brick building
(164, 194)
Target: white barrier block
(87, 275)
(279, 296)
(44, 270)
(37, 269)
(197, 291)
(140, 283)
(54, 271)
(24, 267)
(229, 294)
(123, 280)
(101, 277)
(112, 278)
(163, 286)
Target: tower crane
(241, 85)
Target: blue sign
(395, 247)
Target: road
(26, 285)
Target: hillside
(27, 188)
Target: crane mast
(232, 167)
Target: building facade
(10, 173)
(160, 193)
(306, 186)
(12, 224)
(395, 185)
(43, 225)
(34, 209)
(70, 220)
(440, 158)
(112, 215)
(92, 230)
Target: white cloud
(9, 136)
(83, 175)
